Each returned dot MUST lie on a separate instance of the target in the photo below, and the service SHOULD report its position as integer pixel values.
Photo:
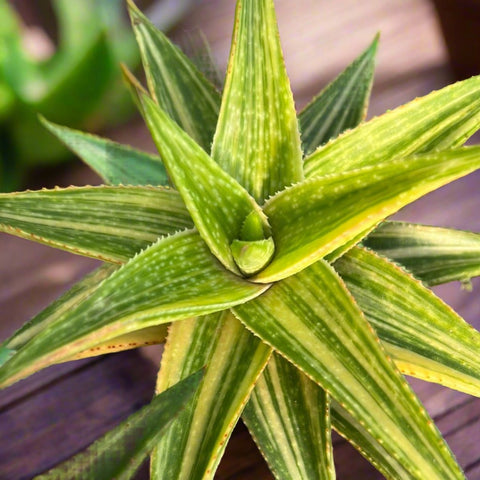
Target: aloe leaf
(109, 223)
(234, 358)
(257, 139)
(175, 83)
(440, 120)
(119, 453)
(116, 164)
(341, 105)
(143, 337)
(315, 217)
(197, 47)
(288, 415)
(68, 301)
(351, 429)
(175, 278)
(217, 204)
(334, 345)
(423, 335)
(434, 255)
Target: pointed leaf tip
(175, 83)
(340, 106)
(257, 139)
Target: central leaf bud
(255, 248)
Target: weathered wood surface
(57, 412)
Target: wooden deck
(59, 411)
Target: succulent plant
(264, 254)
(93, 39)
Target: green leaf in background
(234, 358)
(440, 120)
(116, 164)
(424, 336)
(257, 140)
(119, 454)
(341, 105)
(315, 217)
(60, 103)
(434, 255)
(336, 347)
(108, 223)
(175, 83)
(175, 278)
(217, 203)
(288, 415)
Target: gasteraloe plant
(273, 268)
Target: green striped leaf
(217, 203)
(315, 217)
(71, 299)
(440, 120)
(144, 337)
(288, 415)
(108, 223)
(68, 301)
(234, 358)
(175, 278)
(175, 83)
(434, 255)
(116, 164)
(119, 453)
(351, 429)
(424, 336)
(257, 139)
(341, 105)
(337, 348)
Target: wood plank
(53, 423)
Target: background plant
(256, 239)
(93, 39)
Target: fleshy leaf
(116, 164)
(217, 203)
(119, 453)
(68, 301)
(143, 337)
(440, 120)
(434, 255)
(257, 139)
(175, 83)
(288, 415)
(71, 299)
(424, 336)
(252, 255)
(175, 278)
(315, 217)
(109, 223)
(371, 449)
(334, 345)
(234, 358)
(341, 105)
